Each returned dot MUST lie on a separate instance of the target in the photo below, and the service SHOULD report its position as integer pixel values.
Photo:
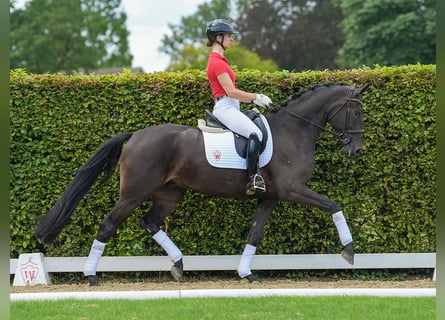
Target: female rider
(227, 99)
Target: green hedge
(387, 194)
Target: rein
(343, 137)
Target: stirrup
(256, 182)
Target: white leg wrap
(342, 228)
(96, 251)
(165, 242)
(246, 261)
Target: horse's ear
(361, 90)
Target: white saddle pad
(220, 150)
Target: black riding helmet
(218, 27)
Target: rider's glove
(262, 100)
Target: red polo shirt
(216, 65)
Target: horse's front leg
(313, 199)
(262, 214)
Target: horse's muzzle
(351, 149)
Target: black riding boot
(256, 181)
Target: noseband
(342, 136)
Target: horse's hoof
(93, 281)
(176, 273)
(348, 253)
(177, 270)
(252, 278)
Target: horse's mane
(310, 89)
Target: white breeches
(227, 111)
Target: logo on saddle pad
(217, 155)
(224, 149)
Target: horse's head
(347, 121)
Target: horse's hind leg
(262, 213)
(107, 229)
(163, 203)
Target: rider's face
(228, 39)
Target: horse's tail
(104, 160)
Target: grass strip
(317, 308)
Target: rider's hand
(262, 100)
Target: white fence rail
(230, 262)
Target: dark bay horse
(160, 163)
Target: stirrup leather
(256, 182)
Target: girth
(240, 141)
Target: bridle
(342, 136)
